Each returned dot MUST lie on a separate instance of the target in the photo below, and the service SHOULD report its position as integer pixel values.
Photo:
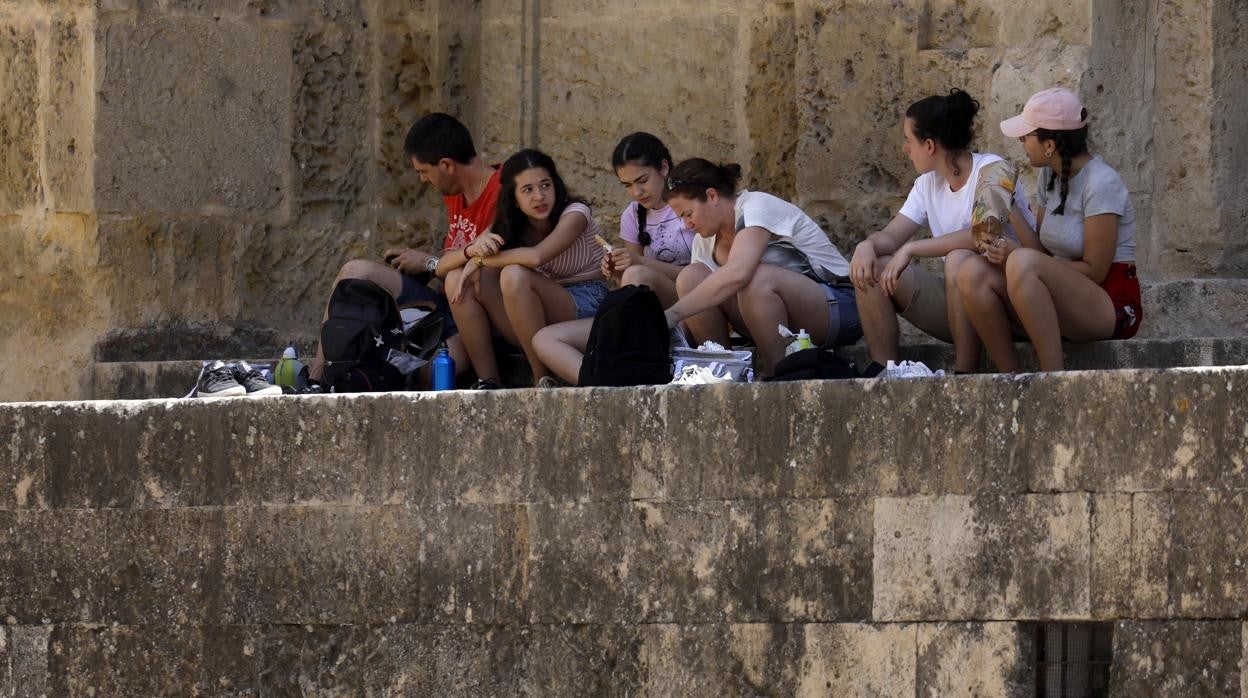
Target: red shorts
(1123, 288)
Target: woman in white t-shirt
(1079, 282)
(657, 245)
(938, 132)
(758, 262)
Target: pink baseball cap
(1055, 109)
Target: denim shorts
(414, 291)
(842, 316)
(587, 295)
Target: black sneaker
(486, 384)
(217, 380)
(252, 381)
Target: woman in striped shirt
(537, 266)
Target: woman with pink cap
(1082, 285)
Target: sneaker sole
(228, 392)
(264, 392)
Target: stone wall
(182, 178)
(825, 538)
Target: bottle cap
(289, 353)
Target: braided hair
(647, 150)
(1070, 144)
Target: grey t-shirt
(1096, 189)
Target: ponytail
(692, 177)
(947, 119)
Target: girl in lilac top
(657, 246)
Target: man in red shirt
(441, 151)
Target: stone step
(707, 537)
(136, 380)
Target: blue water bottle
(443, 370)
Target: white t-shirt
(798, 243)
(932, 203)
(1096, 189)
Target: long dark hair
(646, 150)
(509, 221)
(947, 119)
(692, 177)
(1070, 144)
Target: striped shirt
(582, 260)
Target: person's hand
(892, 271)
(467, 280)
(621, 259)
(486, 245)
(862, 266)
(407, 261)
(1000, 250)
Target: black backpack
(363, 342)
(629, 343)
(814, 364)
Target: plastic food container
(737, 365)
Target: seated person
(938, 131)
(539, 265)
(758, 262)
(1078, 281)
(441, 151)
(657, 245)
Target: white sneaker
(909, 369)
(699, 375)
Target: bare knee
(690, 277)
(358, 269)
(954, 260)
(1021, 265)
(514, 278)
(638, 275)
(972, 275)
(763, 282)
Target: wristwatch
(431, 264)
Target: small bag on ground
(363, 342)
(814, 364)
(629, 343)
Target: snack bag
(994, 199)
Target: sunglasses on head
(672, 183)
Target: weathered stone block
(297, 659)
(54, 558)
(1176, 658)
(1209, 554)
(884, 437)
(600, 660)
(738, 453)
(1186, 428)
(154, 659)
(816, 561)
(1151, 515)
(156, 148)
(1008, 557)
(452, 660)
(68, 138)
(858, 659)
(717, 660)
(770, 100)
(19, 100)
(1113, 573)
(978, 659)
(24, 661)
(578, 106)
(331, 132)
(580, 563)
